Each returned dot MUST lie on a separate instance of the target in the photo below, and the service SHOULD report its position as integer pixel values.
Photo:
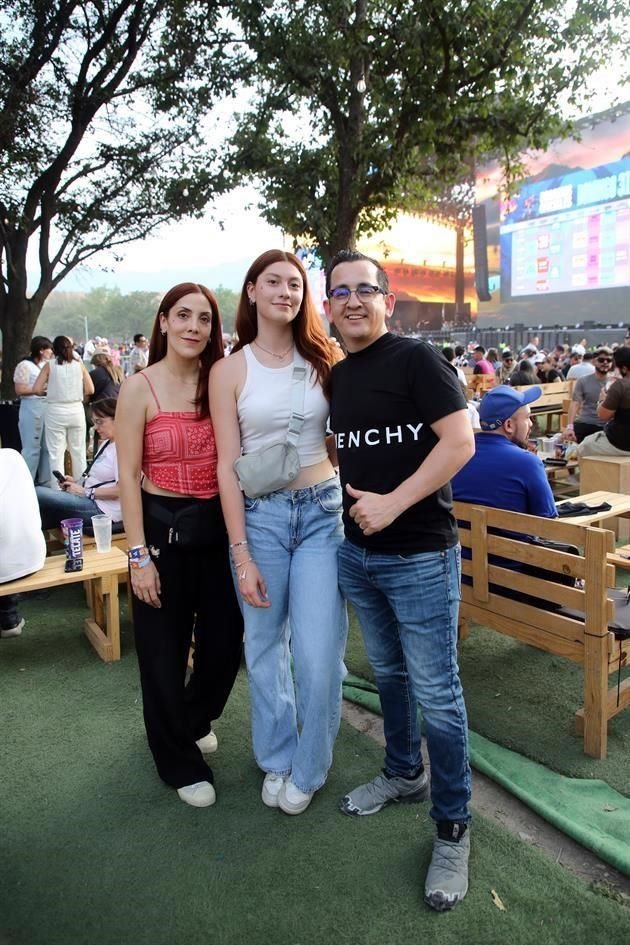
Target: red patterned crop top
(179, 452)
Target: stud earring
(163, 331)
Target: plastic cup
(72, 529)
(102, 525)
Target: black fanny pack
(194, 524)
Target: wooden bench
(101, 571)
(551, 402)
(607, 474)
(579, 631)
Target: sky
(217, 255)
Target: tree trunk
(18, 317)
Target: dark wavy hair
(104, 408)
(63, 349)
(38, 344)
(212, 352)
(308, 332)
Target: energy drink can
(72, 529)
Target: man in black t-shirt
(402, 431)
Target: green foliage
(366, 106)
(100, 133)
(112, 314)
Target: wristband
(135, 563)
(137, 552)
(569, 426)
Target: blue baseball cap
(501, 402)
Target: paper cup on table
(102, 525)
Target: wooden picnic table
(619, 507)
(100, 574)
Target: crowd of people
(264, 483)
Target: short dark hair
(459, 350)
(621, 356)
(105, 407)
(351, 255)
(588, 356)
(479, 348)
(136, 338)
(448, 353)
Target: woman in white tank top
(67, 383)
(284, 545)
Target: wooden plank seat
(101, 571)
(556, 617)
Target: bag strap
(298, 396)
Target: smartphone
(58, 476)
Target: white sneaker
(200, 794)
(208, 744)
(272, 785)
(12, 631)
(293, 801)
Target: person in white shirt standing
(67, 383)
(32, 416)
(21, 536)
(139, 356)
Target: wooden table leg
(103, 628)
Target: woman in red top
(178, 550)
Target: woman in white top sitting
(66, 382)
(97, 492)
(284, 544)
(32, 417)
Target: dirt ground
(493, 802)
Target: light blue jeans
(293, 536)
(408, 607)
(31, 422)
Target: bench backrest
(552, 394)
(488, 587)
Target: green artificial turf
(97, 851)
(526, 700)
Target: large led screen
(568, 234)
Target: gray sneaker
(371, 797)
(447, 878)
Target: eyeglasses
(99, 421)
(364, 291)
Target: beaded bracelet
(236, 544)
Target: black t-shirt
(383, 400)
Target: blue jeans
(34, 450)
(407, 607)
(55, 505)
(293, 536)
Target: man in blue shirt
(503, 473)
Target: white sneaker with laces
(200, 794)
(293, 801)
(272, 785)
(208, 744)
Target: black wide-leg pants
(197, 594)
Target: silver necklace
(279, 357)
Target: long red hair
(308, 332)
(212, 352)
